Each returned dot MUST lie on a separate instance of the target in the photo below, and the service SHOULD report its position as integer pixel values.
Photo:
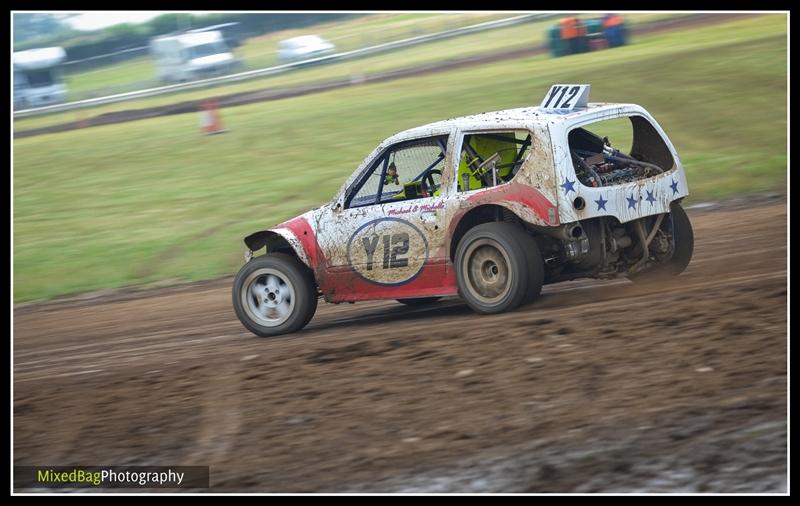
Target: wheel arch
(484, 213)
(278, 240)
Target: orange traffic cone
(210, 120)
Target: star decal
(601, 204)
(650, 197)
(568, 185)
(631, 202)
(674, 187)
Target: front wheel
(274, 294)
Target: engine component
(610, 168)
(573, 250)
(593, 231)
(618, 243)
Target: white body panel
(648, 197)
(428, 215)
(341, 244)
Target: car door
(385, 237)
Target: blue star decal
(674, 187)
(631, 202)
(650, 197)
(601, 204)
(568, 185)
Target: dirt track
(598, 386)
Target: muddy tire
(684, 247)
(536, 269)
(421, 301)
(274, 294)
(498, 267)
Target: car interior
(413, 170)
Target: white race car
(489, 207)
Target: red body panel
(308, 239)
(343, 285)
(520, 193)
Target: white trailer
(38, 78)
(189, 56)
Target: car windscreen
(41, 77)
(207, 50)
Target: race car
(489, 207)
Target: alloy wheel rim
(487, 270)
(268, 297)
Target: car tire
(421, 301)
(536, 268)
(274, 294)
(498, 267)
(681, 256)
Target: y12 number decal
(566, 96)
(387, 251)
(395, 246)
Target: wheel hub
(268, 297)
(488, 273)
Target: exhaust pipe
(568, 232)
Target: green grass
(525, 35)
(260, 52)
(134, 74)
(150, 200)
(367, 31)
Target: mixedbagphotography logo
(83, 477)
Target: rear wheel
(535, 266)
(274, 294)
(498, 267)
(684, 241)
(683, 235)
(422, 301)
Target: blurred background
(119, 183)
(132, 202)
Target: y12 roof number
(566, 96)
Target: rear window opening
(618, 151)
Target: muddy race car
(489, 207)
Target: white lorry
(38, 79)
(188, 56)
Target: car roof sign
(566, 97)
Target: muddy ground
(676, 386)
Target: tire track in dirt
(607, 378)
(558, 301)
(217, 434)
(100, 356)
(549, 299)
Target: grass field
(152, 200)
(525, 35)
(259, 52)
